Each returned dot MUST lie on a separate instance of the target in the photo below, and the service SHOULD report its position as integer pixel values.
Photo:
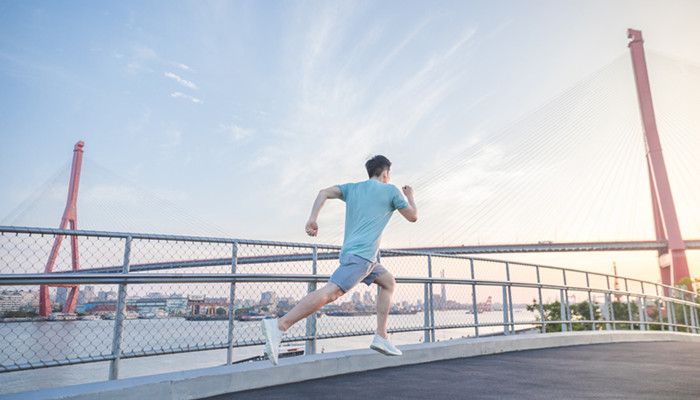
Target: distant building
(106, 296)
(356, 299)
(268, 298)
(10, 301)
(107, 309)
(200, 305)
(86, 294)
(367, 299)
(174, 306)
(245, 303)
(61, 294)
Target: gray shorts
(355, 269)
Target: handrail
(667, 301)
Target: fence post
(232, 304)
(562, 310)
(658, 307)
(643, 301)
(474, 309)
(590, 302)
(685, 315)
(431, 307)
(607, 310)
(510, 299)
(120, 311)
(506, 327)
(539, 293)
(611, 308)
(568, 308)
(641, 318)
(426, 309)
(629, 306)
(671, 305)
(311, 319)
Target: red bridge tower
(672, 262)
(69, 215)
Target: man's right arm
(410, 212)
(332, 192)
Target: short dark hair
(376, 165)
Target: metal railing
(211, 290)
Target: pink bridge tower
(69, 215)
(672, 262)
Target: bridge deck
(637, 370)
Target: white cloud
(181, 95)
(181, 81)
(182, 66)
(235, 132)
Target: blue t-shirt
(368, 208)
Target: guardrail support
(562, 310)
(641, 315)
(568, 308)
(120, 311)
(539, 293)
(606, 314)
(232, 305)
(506, 327)
(311, 319)
(510, 299)
(685, 315)
(431, 305)
(629, 306)
(672, 310)
(658, 307)
(474, 308)
(590, 302)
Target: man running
(368, 208)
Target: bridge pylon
(70, 216)
(673, 263)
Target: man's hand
(311, 228)
(410, 212)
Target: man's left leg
(387, 283)
(381, 342)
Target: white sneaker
(384, 346)
(273, 338)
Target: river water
(32, 341)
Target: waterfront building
(61, 295)
(108, 310)
(86, 294)
(200, 305)
(268, 298)
(173, 306)
(10, 301)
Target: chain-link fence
(74, 297)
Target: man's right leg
(308, 305)
(273, 327)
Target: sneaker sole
(382, 351)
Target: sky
(222, 118)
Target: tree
(578, 311)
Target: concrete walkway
(637, 370)
(614, 364)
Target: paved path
(641, 370)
